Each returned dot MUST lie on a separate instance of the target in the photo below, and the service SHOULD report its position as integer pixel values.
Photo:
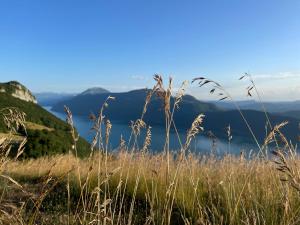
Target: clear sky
(71, 45)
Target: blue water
(200, 144)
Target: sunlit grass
(133, 186)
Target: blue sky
(70, 45)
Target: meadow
(134, 186)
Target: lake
(200, 144)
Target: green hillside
(54, 140)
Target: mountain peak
(94, 91)
(17, 90)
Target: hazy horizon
(210, 99)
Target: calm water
(200, 144)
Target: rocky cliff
(17, 90)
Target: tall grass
(207, 190)
(134, 186)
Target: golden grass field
(133, 186)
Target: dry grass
(14, 137)
(227, 191)
(136, 187)
(35, 126)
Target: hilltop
(17, 90)
(95, 91)
(46, 134)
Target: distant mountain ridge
(51, 98)
(128, 106)
(293, 113)
(94, 91)
(271, 107)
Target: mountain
(217, 121)
(271, 107)
(293, 113)
(17, 90)
(128, 106)
(50, 98)
(95, 91)
(46, 134)
(228, 105)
